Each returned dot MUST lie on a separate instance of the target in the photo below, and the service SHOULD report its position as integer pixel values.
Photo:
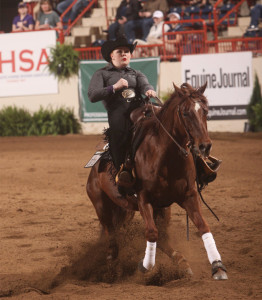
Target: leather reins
(183, 150)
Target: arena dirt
(49, 231)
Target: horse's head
(192, 115)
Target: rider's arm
(96, 90)
(143, 83)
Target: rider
(120, 88)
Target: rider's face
(120, 57)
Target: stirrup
(124, 178)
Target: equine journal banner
(229, 81)
(95, 112)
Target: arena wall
(68, 97)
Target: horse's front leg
(151, 233)
(192, 206)
(162, 218)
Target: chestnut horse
(165, 173)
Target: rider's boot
(125, 176)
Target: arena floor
(49, 229)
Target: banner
(229, 81)
(23, 63)
(95, 112)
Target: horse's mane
(183, 96)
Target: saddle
(207, 170)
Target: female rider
(120, 88)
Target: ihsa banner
(23, 63)
(95, 112)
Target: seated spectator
(24, 21)
(201, 3)
(174, 27)
(75, 10)
(146, 21)
(126, 11)
(156, 31)
(256, 14)
(47, 18)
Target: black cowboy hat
(110, 46)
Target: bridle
(190, 143)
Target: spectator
(174, 27)
(126, 11)
(146, 21)
(200, 3)
(75, 10)
(47, 18)
(24, 21)
(155, 33)
(256, 14)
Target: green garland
(63, 62)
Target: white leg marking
(150, 256)
(210, 246)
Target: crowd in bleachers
(46, 14)
(142, 20)
(139, 20)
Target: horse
(165, 174)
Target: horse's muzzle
(204, 149)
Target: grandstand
(212, 29)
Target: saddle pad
(95, 158)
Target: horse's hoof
(220, 275)
(141, 268)
(189, 272)
(219, 270)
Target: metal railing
(219, 21)
(191, 42)
(80, 15)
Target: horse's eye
(185, 114)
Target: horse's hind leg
(192, 206)
(110, 215)
(162, 219)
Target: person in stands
(23, 21)
(126, 12)
(145, 22)
(156, 31)
(120, 88)
(47, 18)
(256, 15)
(74, 11)
(175, 27)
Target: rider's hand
(122, 83)
(150, 93)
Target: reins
(183, 150)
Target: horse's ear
(177, 89)
(203, 88)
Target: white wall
(68, 97)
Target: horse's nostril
(208, 148)
(205, 148)
(202, 147)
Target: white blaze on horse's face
(197, 106)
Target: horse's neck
(171, 130)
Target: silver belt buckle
(128, 94)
